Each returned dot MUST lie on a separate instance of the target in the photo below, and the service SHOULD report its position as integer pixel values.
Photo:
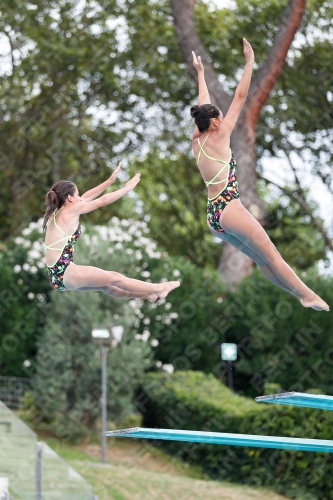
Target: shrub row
(191, 400)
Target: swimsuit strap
(66, 236)
(201, 148)
(56, 225)
(52, 218)
(204, 152)
(211, 182)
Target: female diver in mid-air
(64, 206)
(227, 218)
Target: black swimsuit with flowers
(215, 206)
(57, 271)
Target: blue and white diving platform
(299, 399)
(284, 443)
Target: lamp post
(229, 354)
(105, 336)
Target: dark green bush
(278, 340)
(197, 401)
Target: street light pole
(105, 336)
(39, 465)
(229, 354)
(230, 378)
(104, 350)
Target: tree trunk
(234, 265)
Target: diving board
(284, 443)
(299, 399)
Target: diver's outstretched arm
(96, 191)
(242, 89)
(84, 207)
(203, 90)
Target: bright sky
(221, 3)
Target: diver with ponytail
(61, 223)
(56, 198)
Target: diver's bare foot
(315, 302)
(152, 297)
(166, 288)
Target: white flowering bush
(24, 301)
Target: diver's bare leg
(238, 222)
(77, 277)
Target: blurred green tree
(50, 83)
(292, 230)
(278, 340)
(181, 328)
(67, 383)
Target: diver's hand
(114, 174)
(197, 63)
(132, 182)
(248, 52)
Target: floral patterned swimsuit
(57, 271)
(215, 206)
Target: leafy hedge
(197, 401)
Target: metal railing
(12, 390)
(4, 489)
(34, 470)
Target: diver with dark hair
(227, 217)
(64, 206)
